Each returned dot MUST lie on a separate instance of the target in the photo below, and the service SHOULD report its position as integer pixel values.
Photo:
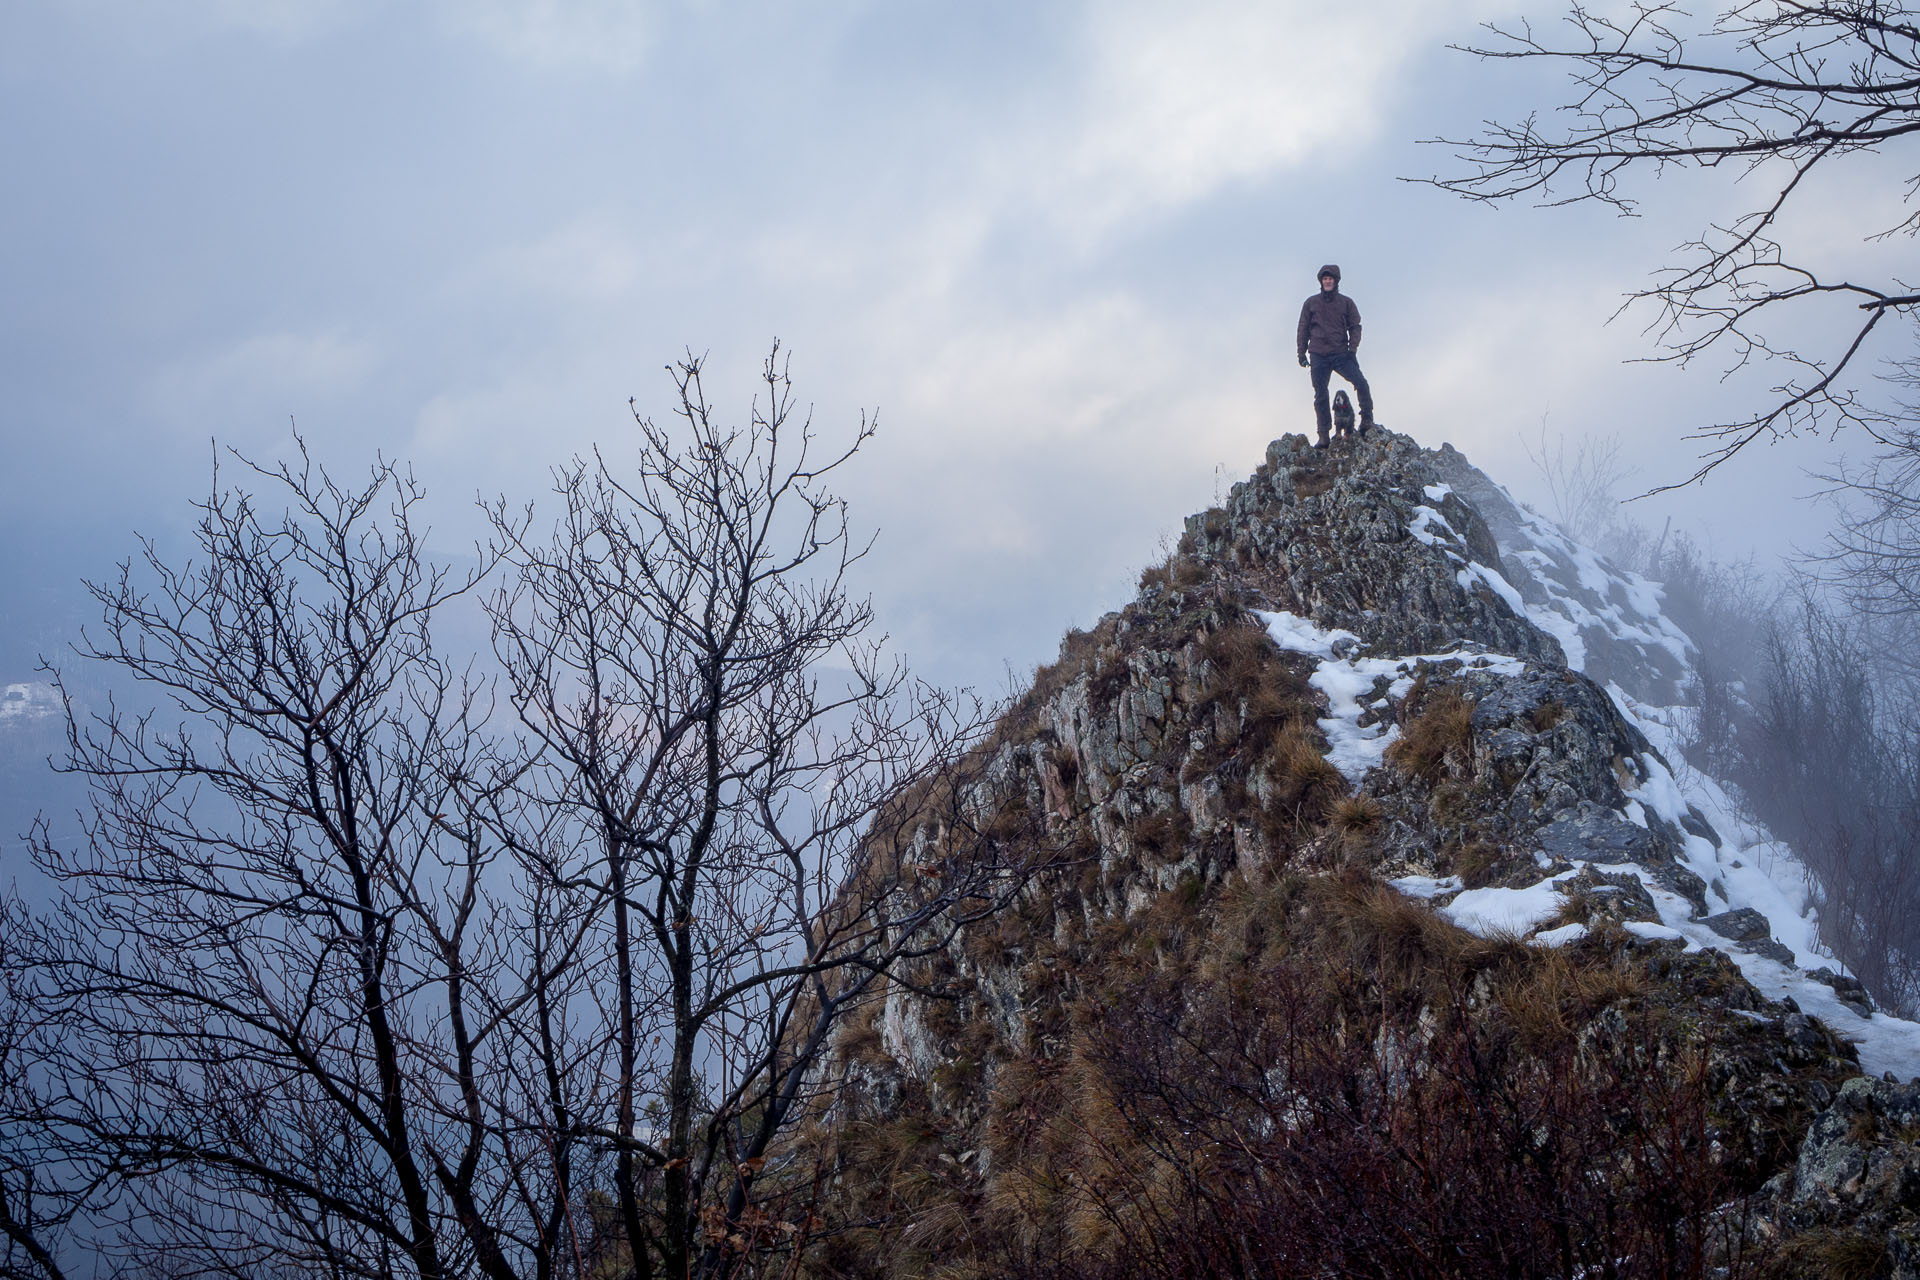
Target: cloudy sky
(1058, 248)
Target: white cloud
(611, 35)
(1177, 104)
(1068, 287)
(271, 373)
(497, 431)
(1071, 366)
(588, 258)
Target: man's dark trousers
(1347, 365)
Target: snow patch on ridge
(1348, 679)
(1429, 526)
(1423, 526)
(1476, 572)
(1490, 911)
(1752, 869)
(1610, 624)
(1427, 886)
(1625, 605)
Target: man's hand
(1303, 360)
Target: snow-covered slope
(1611, 625)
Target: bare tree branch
(1778, 87)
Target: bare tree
(1583, 484)
(1872, 557)
(38, 1197)
(1780, 87)
(1830, 761)
(717, 738)
(359, 974)
(1876, 550)
(269, 938)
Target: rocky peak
(1368, 538)
(1336, 743)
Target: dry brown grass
(1306, 785)
(1546, 715)
(1265, 713)
(1836, 1255)
(1358, 959)
(1356, 814)
(1385, 932)
(1158, 834)
(1415, 958)
(1444, 725)
(1078, 653)
(1089, 1166)
(1179, 572)
(1241, 656)
(1575, 908)
(861, 1038)
(1246, 664)
(1474, 863)
(1552, 993)
(1311, 484)
(998, 939)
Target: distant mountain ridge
(28, 701)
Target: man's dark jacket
(1329, 322)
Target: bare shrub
(1355, 814)
(1338, 1107)
(1583, 483)
(1305, 784)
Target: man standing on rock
(1328, 338)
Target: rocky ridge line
(1454, 754)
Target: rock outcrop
(1851, 1202)
(1325, 803)
(1370, 542)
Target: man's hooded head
(1329, 270)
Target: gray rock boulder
(1859, 1172)
(1750, 931)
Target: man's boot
(1321, 443)
(1367, 423)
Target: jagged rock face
(1614, 630)
(1860, 1167)
(1337, 538)
(1540, 768)
(1749, 930)
(1536, 784)
(1377, 539)
(1175, 757)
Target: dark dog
(1342, 415)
